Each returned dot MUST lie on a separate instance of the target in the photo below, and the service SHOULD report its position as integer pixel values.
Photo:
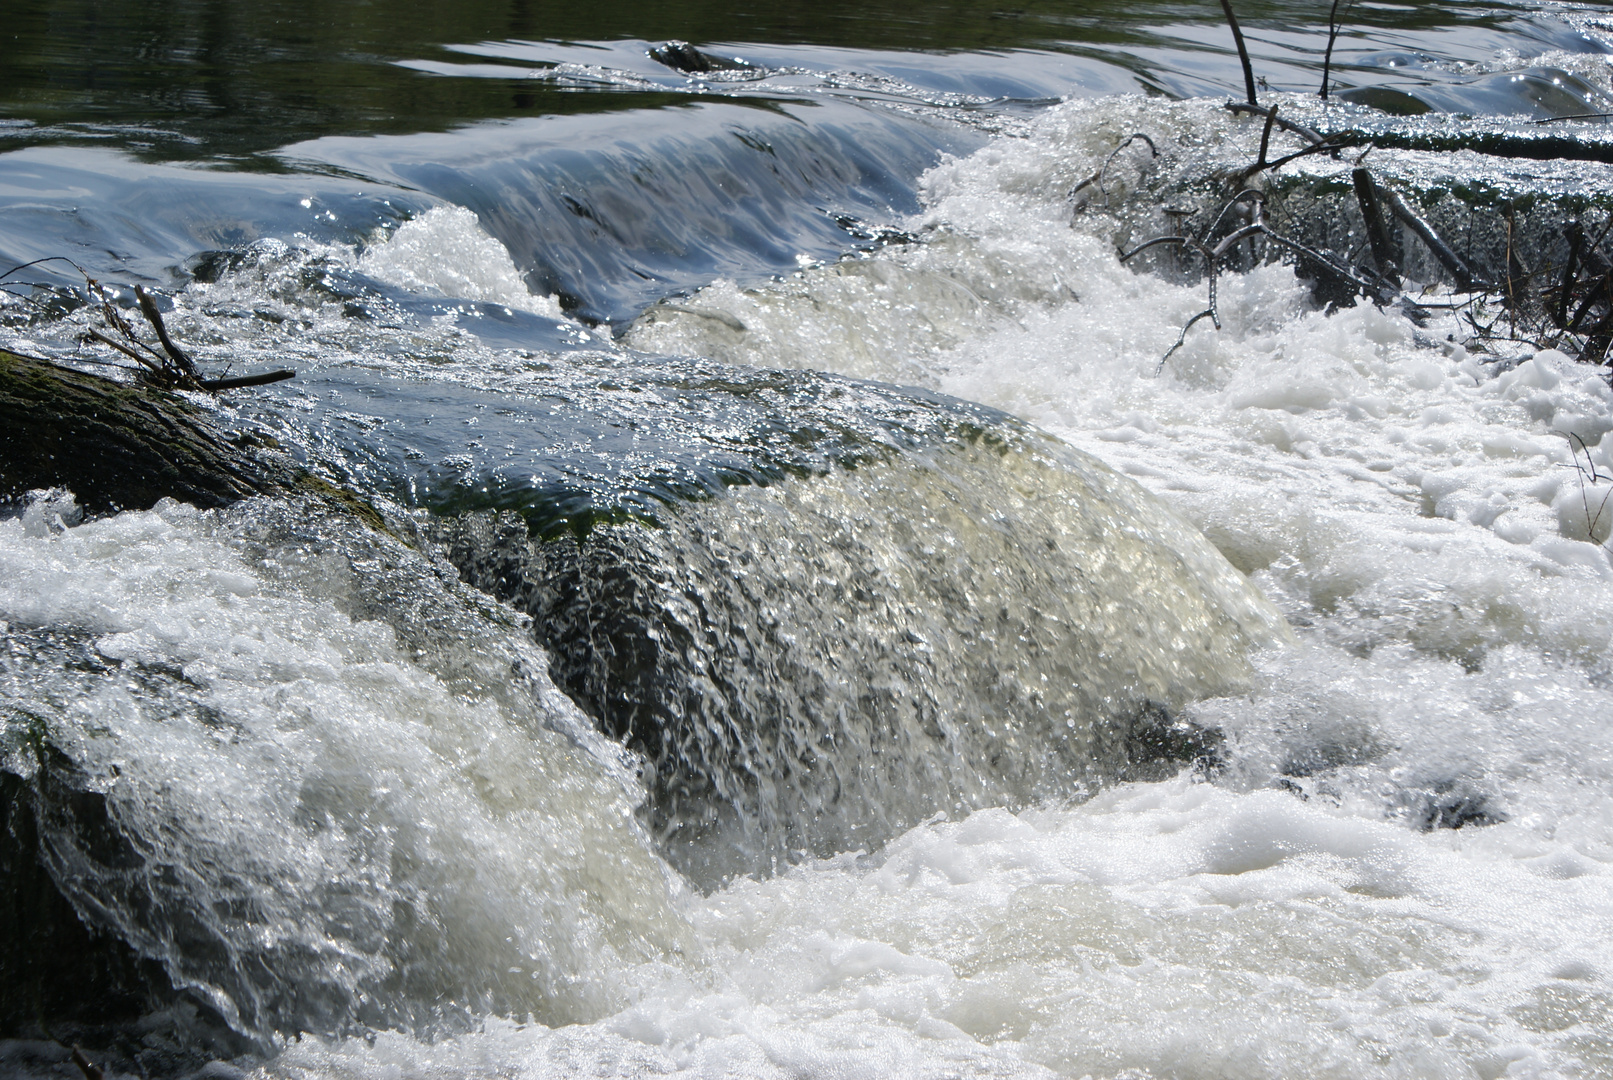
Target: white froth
(1428, 521)
(445, 252)
(1333, 451)
(1176, 929)
(1415, 511)
(338, 811)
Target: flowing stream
(812, 622)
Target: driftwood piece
(117, 446)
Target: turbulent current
(802, 605)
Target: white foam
(445, 252)
(1332, 444)
(1419, 517)
(1414, 513)
(308, 797)
(1175, 929)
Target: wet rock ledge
(788, 595)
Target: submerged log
(117, 446)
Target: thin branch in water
(279, 374)
(1287, 125)
(1241, 197)
(1243, 51)
(1466, 280)
(1314, 148)
(1184, 241)
(1097, 177)
(155, 363)
(1265, 138)
(176, 368)
(1517, 278)
(1181, 339)
(1594, 294)
(1334, 25)
(116, 322)
(46, 259)
(148, 307)
(1210, 312)
(90, 1070)
(1485, 330)
(12, 285)
(1381, 292)
(167, 371)
(144, 361)
(1366, 196)
(1576, 116)
(1588, 469)
(1565, 288)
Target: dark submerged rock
(815, 706)
(91, 980)
(819, 657)
(67, 975)
(684, 57)
(1154, 744)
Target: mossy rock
(117, 446)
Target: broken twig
(1301, 130)
(90, 1070)
(1366, 196)
(148, 307)
(1465, 279)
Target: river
(897, 655)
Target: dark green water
(195, 80)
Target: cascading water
(814, 666)
(321, 787)
(980, 759)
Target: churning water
(812, 633)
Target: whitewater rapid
(1413, 507)
(1416, 510)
